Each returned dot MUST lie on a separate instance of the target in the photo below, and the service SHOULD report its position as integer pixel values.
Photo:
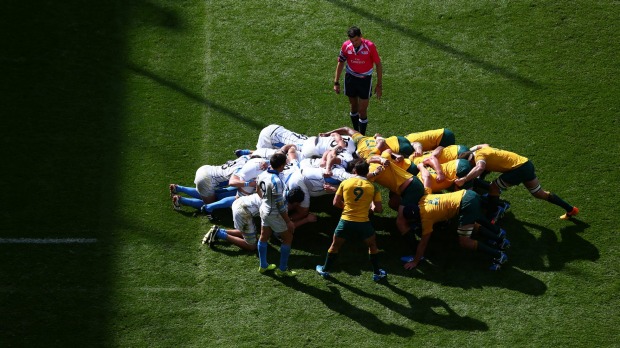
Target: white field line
(48, 240)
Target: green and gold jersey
(439, 207)
(358, 193)
(500, 161)
(365, 146)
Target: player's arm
(338, 138)
(379, 85)
(377, 159)
(299, 213)
(419, 253)
(376, 206)
(417, 149)
(474, 173)
(330, 159)
(280, 203)
(288, 148)
(338, 201)
(478, 147)
(238, 182)
(426, 176)
(339, 68)
(434, 163)
(302, 221)
(342, 131)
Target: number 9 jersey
(358, 193)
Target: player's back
(221, 174)
(272, 189)
(358, 193)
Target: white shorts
(276, 222)
(242, 218)
(264, 138)
(204, 181)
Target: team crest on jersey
(349, 51)
(434, 201)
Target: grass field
(105, 104)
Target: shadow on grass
(436, 44)
(333, 300)
(421, 310)
(547, 252)
(196, 97)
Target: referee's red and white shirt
(360, 63)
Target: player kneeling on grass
(244, 209)
(274, 216)
(356, 196)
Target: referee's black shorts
(360, 87)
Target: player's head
(355, 35)
(468, 155)
(295, 195)
(351, 165)
(460, 149)
(463, 167)
(361, 168)
(278, 161)
(354, 32)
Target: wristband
(336, 83)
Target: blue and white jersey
(275, 136)
(272, 189)
(219, 175)
(250, 171)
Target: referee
(360, 56)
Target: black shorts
(360, 87)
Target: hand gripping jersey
(249, 172)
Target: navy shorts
(360, 87)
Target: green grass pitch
(106, 103)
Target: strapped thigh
(465, 231)
(501, 183)
(535, 189)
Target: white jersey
(344, 157)
(250, 170)
(208, 177)
(275, 136)
(264, 153)
(317, 146)
(272, 189)
(291, 167)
